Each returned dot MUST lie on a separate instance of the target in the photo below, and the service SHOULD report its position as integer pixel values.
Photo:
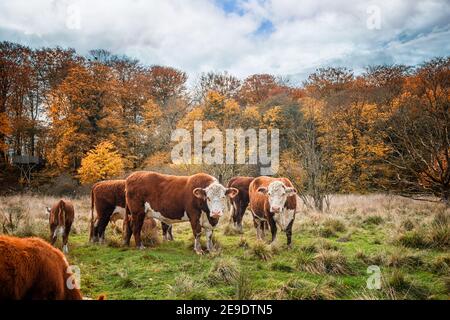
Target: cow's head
(277, 193)
(215, 196)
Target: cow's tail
(91, 231)
(61, 218)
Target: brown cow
(32, 269)
(239, 203)
(273, 200)
(108, 198)
(199, 199)
(61, 217)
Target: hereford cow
(273, 200)
(199, 199)
(32, 269)
(240, 202)
(61, 217)
(108, 198)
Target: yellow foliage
(5, 129)
(103, 162)
(273, 118)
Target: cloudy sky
(282, 37)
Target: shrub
(413, 239)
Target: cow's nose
(276, 209)
(216, 214)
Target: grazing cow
(31, 269)
(61, 217)
(199, 199)
(240, 202)
(273, 200)
(108, 198)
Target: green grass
(316, 267)
(127, 273)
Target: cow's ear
(262, 190)
(199, 193)
(231, 192)
(48, 209)
(290, 191)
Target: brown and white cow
(239, 203)
(199, 199)
(61, 217)
(273, 200)
(108, 198)
(31, 269)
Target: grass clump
(299, 289)
(185, 287)
(331, 227)
(324, 262)
(224, 270)
(373, 220)
(261, 250)
(281, 266)
(404, 288)
(244, 289)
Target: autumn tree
(223, 83)
(101, 163)
(419, 132)
(166, 83)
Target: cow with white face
(199, 199)
(273, 200)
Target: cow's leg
(273, 229)
(66, 237)
(170, 233)
(138, 222)
(289, 233)
(167, 231)
(197, 231)
(102, 224)
(53, 234)
(126, 228)
(239, 216)
(209, 243)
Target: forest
(99, 116)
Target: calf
(108, 198)
(32, 269)
(240, 202)
(273, 200)
(199, 199)
(61, 217)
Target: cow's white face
(277, 193)
(215, 196)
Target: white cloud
(199, 36)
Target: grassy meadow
(408, 240)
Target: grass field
(409, 241)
